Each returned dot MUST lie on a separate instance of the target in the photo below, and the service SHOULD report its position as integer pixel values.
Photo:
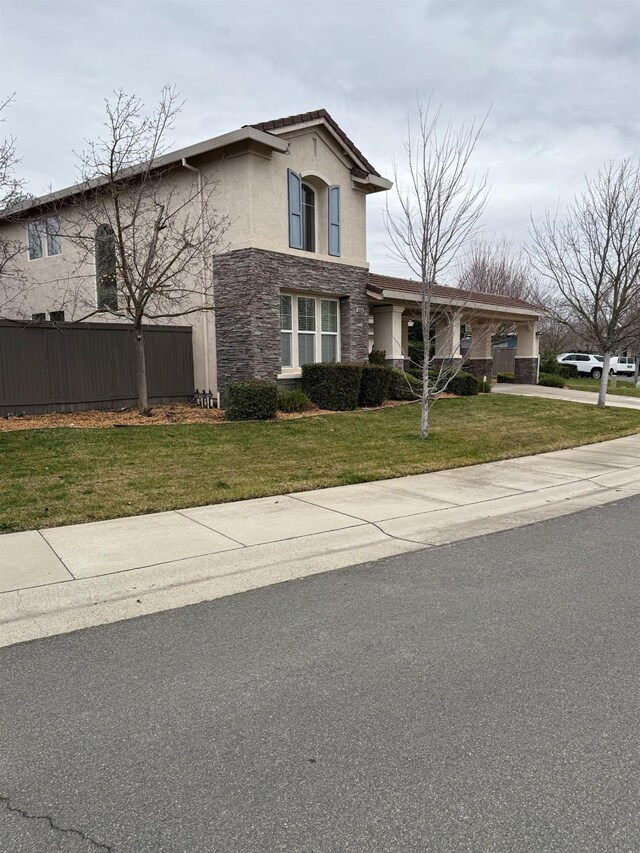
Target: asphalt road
(483, 696)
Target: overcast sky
(562, 79)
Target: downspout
(205, 314)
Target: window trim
(44, 238)
(296, 369)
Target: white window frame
(44, 238)
(296, 369)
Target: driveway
(566, 394)
(483, 695)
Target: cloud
(562, 80)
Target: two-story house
(295, 191)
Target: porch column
(447, 342)
(480, 361)
(527, 360)
(388, 333)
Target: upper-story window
(308, 219)
(307, 207)
(105, 256)
(44, 238)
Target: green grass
(57, 476)
(623, 387)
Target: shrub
(374, 385)
(253, 400)
(567, 371)
(485, 386)
(334, 385)
(463, 385)
(506, 377)
(415, 370)
(416, 353)
(293, 401)
(377, 356)
(550, 380)
(403, 386)
(548, 362)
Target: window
(308, 330)
(304, 204)
(308, 219)
(56, 316)
(286, 331)
(43, 237)
(105, 258)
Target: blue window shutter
(295, 209)
(334, 221)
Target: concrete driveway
(568, 394)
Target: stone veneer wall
(479, 367)
(248, 284)
(526, 370)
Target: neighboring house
(295, 190)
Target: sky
(560, 80)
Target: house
(295, 190)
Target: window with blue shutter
(334, 221)
(295, 209)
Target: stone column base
(479, 367)
(526, 370)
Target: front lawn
(50, 477)
(623, 387)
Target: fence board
(69, 367)
(504, 360)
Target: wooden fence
(504, 360)
(66, 367)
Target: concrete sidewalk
(61, 579)
(613, 399)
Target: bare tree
(591, 261)
(13, 280)
(439, 210)
(153, 235)
(499, 268)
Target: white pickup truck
(591, 365)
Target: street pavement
(65, 578)
(481, 695)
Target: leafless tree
(499, 268)
(439, 207)
(13, 280)
(591, 261)
(153, 234)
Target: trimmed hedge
(403, 386)
(485, 386)
(293, 401)
(374, 385)
(463, 385)
(567, 371)
(550, 380)
(378, 356)
(334, 385)
(253, 400)
(506, 377)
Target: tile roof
(407, 285)
(301, 118)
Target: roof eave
(243, 134)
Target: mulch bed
(164, 415)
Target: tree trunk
(604, 379)
(636, 375)
(426, 353)
(143, 396)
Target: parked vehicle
(623, 366)
(586, 365)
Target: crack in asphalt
(64, 829)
